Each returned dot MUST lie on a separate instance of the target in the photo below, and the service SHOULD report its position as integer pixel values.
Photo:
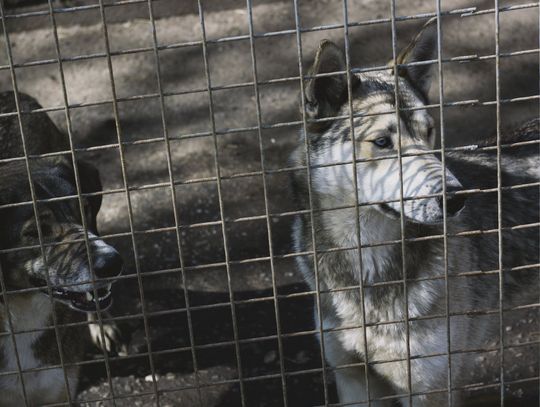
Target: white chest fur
(28, 313)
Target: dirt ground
(153, 254)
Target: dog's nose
(108, 264)
(454, 203)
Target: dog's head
(65, 263)
(375, 129)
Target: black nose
(108, 264)
(454, 203)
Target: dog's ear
(422, 48)
(90, 182)
(7, 196)
(326, 94)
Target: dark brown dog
(58, 279)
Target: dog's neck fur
(28, 312)
(380, 262)
(37, 348)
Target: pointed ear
(422, 48)
(90, 182)
(325, 95)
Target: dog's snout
(108, 264)
(454, 203)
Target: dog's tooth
(89, 296)
(103, 297)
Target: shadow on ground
(154, 253)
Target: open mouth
(84, 301)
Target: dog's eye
(383, 142)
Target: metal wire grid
(267, 216)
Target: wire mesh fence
(191, 114)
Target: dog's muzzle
(85, 302)
(454, 203)
(77, 300)
(107, 264)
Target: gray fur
(332, 188)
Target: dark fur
(52, 177)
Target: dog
(365, 289)
(59, 283)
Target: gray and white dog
(390, 346)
